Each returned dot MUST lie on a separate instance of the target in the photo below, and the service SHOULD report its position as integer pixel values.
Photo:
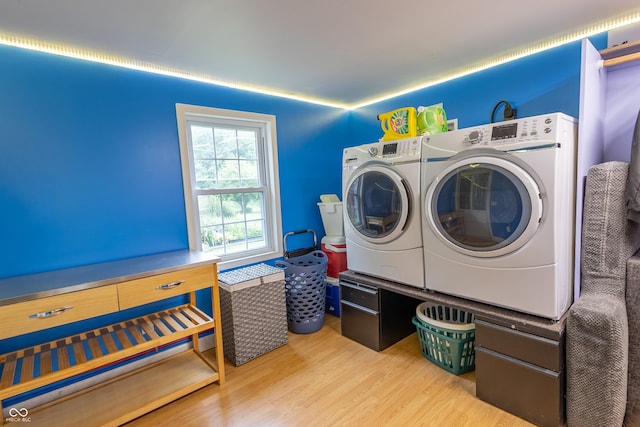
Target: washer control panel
(401, 150)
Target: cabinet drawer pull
(169, 285)
(50, 313)
(360, 287)
(359, 307)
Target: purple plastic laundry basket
(305, 282)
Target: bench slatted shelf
(33, 367)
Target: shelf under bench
(129, 396)
(44, 364)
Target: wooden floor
(325, 379)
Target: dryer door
(484, 206)
(377, 204)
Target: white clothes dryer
(498, 213)
(381, 202)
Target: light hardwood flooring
(325, 379)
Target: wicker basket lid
(247, 277)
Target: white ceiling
(340, 51)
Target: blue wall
(90, 164)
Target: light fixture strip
(589, 31)
(72, 52)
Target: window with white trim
(230, 176)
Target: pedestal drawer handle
(50, 313)
(170, 285)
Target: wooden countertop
(540, 326)
(24, 288)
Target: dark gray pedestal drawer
(374, 317)
(520, 373)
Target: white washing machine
(498, 213)
(381, 202)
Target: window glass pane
(232, 208)
(238, 237)
(249, 173)
(228, 174)
(204, 156)
(247, 145)
(254, 206)
(211, 233)
(205, 174)
(256, 235)
(226, 143)
(203, 147)
(213, 240)
(210, 210)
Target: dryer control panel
(519, 130)
(508, 135)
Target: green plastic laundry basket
(447, 337)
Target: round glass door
(484, 206)
(377, 204)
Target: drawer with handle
(44, 313)
(154, 288)
(359, 294)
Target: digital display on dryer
(389, 149)
(504, 131)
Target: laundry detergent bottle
(398, 124)
(431, 120)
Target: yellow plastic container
(398, 124)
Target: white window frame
(268, 159)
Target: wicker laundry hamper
(253, 311)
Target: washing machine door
(377, 204)
(484, 206)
